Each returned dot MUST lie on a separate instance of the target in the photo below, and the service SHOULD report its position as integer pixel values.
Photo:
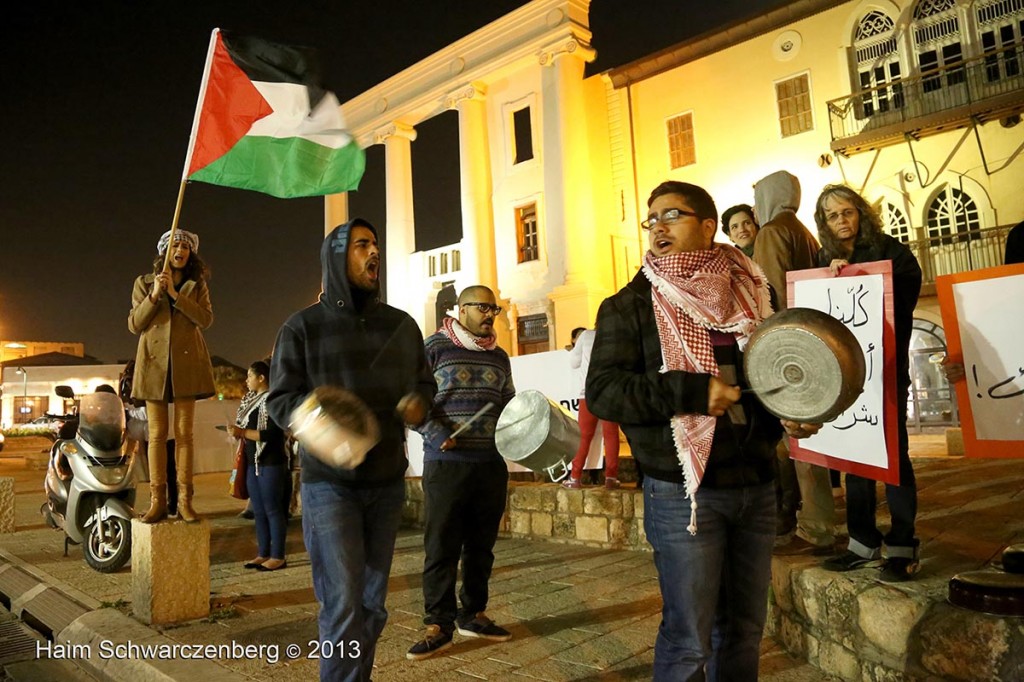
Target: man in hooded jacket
(350, 339)
(784, 244)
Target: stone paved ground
(576, 613)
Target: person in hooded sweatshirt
(351, 340)
(784, 244)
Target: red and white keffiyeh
(463, 338)
(694, 292)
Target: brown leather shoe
(797, 546)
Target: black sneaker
(484, 628)
(434, 639)
(848, 561)
(899, 569)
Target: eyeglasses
(846, 213)
(486, 308)
(667, 218)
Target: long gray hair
(869, 228)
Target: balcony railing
(983, 88)
(960, 251)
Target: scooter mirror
(65, 392)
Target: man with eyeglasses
(806, 511)
(665, 365)
(465, 480)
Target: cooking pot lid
(1001, 594)
(804, 365)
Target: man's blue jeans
(350, 535)
(714, 585)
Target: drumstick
(472, 419)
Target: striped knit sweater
(466, 381)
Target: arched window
(895, 221)
(952, 212)
(1001, 26)
(878, 64)
(938, 43)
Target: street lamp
(24, 381)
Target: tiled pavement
(576, 613)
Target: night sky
(98, 102)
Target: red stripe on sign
(231, 105)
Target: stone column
(478, 258)
(170, 571)
(570, 202)
(6, 504)
(401, 233)
(479, 261)
(335, 211)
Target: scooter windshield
(101, 422)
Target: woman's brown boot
(157, 505)
(185, 511)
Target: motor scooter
(90, 484)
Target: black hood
(336, 293)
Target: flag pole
(192, 142)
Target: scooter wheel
(114, 550)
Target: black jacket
(906, 287)
(377, 353)
(625, 385)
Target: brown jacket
(167, 335)
(782, 245)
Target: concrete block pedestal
(170, 571)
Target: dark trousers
(464, 503)
(902, 499)
(266, 492)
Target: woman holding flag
(170, 308)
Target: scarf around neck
(694, 292)
(254, 401)
(463, 338)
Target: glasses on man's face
(486, 308)
(847, 213)
(669, 217)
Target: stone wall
(857, 628)
(544, 511)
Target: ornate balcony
(954, 252)
(985, 88)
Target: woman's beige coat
(171, 337)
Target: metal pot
(804, 365)
(538, 434)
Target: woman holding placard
(851, 232)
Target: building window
(794, 97)
(895, 222)
(533, 334)
(526, 233)
(432, 266)
(951, 213)
(522, 131)
(456, 260)
(937, 41)
(26, 409)
(681, 148)
(878, 64)
(444, 263)
(1001, 25)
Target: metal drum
(335, 426)
(804, 365)
(538, 434)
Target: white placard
(858, 434)
(549, 373)
(990, 334)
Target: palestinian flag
(263, 122)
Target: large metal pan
(804, 365)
